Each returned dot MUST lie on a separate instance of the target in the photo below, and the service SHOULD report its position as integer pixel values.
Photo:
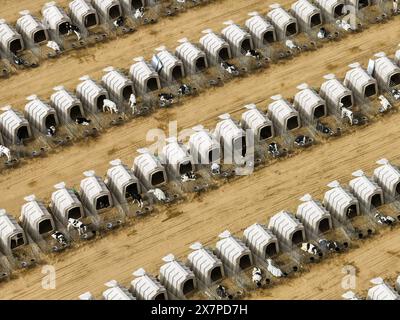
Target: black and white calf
(82, 121)
(18, 60)
(166, 99)
(382, 219)
(310, 248)
(273, 149)
(253, 53)
(184, 90)
(73, 29)
(230, 68)
(60, 238)
(257, 276)
(119, 22)
(77, 225)
(136, 198)
(51, 131)
(188, 176)
(139, 13)
(4, 151)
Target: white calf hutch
(109, 10)
(147, 287)
(121, 181)
(65, 204)
(261, 30)
(35, 218)
(55, 20)
(94, 193)
(118, 85)
(176, 277)
(67, 105)
(91, 94)
(194, 59)
(331, 9)
(31, 29)
(284, 117)
(368, 192)
(386, 72)
(341, 203)
(12, 235)
(285, 24)
(116, 292)
(205, 265)
(258, 122)
(360, 82)
(261, 241)
(144, 76)
(309, 104)
(287, 228)
(382, 292)
(177, 159)
(231, 137)
(149, 170)
(204, 148)
(240, 41)
(308, 16)
(83, 14)
(40, 114)
(388, 177)
(315, 218)
(336, 95)
(168, 65)
(216, 48)
(233, 252)
(10, 40)
(14, 127)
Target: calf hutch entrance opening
(324, 225)
(45, 226)
(395, 79)
(338, 11)
(127, 91)
(177, 73)
(74, 213)
(346, 101)
(201, 63)
(376, 200)
(363, 4)
(315, 20)
(102, 202)
(17, 240)
(216, 274)
(15, 45)
(224, 54)
(188, 286)
(39, 36)
(75, 112)
(291, 29)
(23, 133)
(297, 237)
(157, 178)
(63, 28)
(246, 45)
(240, 145)
(292, 123)
(270, 250)
(50, 121)
(265, 132)
(370, 90)
(268, 37)
(131, 189)
(351, 211)
(90, 20)
(160, 296)
(185, 167)
(152, 84)
(100, 101)
(137, 4)
(114, 12)
(245, 262)
(319, 111)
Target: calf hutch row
(282, 116)
(382, 290)
(57, 23)
(205, 267)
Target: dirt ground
(261, 195)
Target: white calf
(346, 113)
(215, 168)
(385, 104)
(275, 271)
(132, 103)
(139, 13)
(158, 193)
(4, 151)
(110, 106)
(291, 45)
(53, 45)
